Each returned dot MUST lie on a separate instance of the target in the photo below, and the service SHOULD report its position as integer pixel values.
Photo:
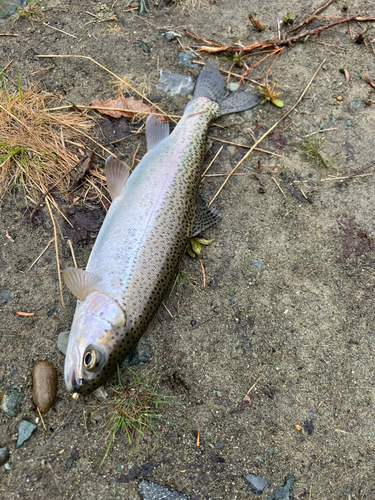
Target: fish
(154, 212)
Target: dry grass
(34, 148)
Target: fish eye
(91, 359)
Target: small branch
(57, 252)
(273, 43)
(310, 18)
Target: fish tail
(210, 84)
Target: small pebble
(25, 431)
(170, 35)
(186, 59)
(255, 483)
(62, 341)
(4, 455)
(219, 446)
(153, 491)
(140, 354)
(146, 48)
(10, 399)
(44, 385)
(6, 296)
(283, 490)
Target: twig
(269, 131)
(274, 42)
(130, 10)
(57, 252)
(41, 418)
(310, 18)
(72, 252)
(39, 256)
(57, 29)
(244, 146)
(203, 273)
(41, 71)
(96, 108)
(61, 56)
(20, 313)
(7, 34)
(198, 436)
(6, 67)
(278, 185)
(214, 158)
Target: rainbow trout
(153, 215)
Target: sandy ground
(290, 275)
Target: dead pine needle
(268, 132)
(214, 158)
(57, 251)
(246, 399)
(278, 185)
(39, 256)
(72, 252)
(198, 437)
(203, 273)
(41, 419)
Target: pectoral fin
(117, 173)
(80, 283)
(156, 131)
(205, 216)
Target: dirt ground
(290, 276)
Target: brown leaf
(127, 107)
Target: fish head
(98, 324)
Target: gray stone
(152, 491)
(62, 341)
(174, 83)
(10, 399)
(143, 7)
(140, 354)
(170, 35)
(283, 490)
(4, 455)
(6, 296)
(219, 446)
(25, 431)
(145, 47)
(255, 483)
(186, 58)
(257, 264)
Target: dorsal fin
(117, 173)
(80, 283)
(156, 131)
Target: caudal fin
(210, 84)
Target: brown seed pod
(44, 385)
(256, 23)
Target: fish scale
(142, 239)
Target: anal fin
(117, 174)
(205, 216)
(156, 131)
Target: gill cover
(98, 324)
